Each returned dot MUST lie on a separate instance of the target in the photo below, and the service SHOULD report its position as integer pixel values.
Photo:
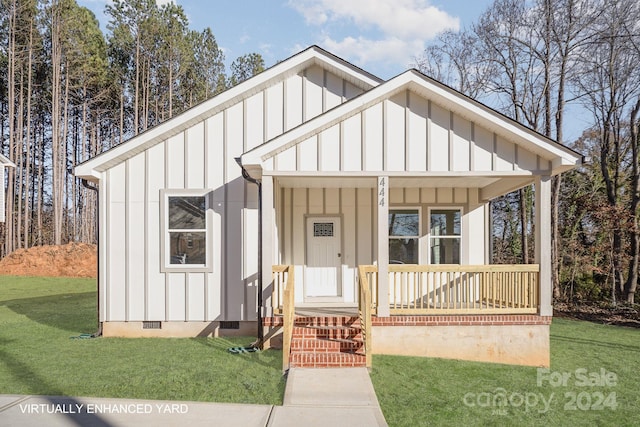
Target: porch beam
(543, 241)
(268, 260)
(503, 186)
(383, 246)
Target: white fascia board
(6, 162)
(91, 169)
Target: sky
(380, 36)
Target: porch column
(543, 241)
(268, 221)
(383, 246)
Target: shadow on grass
(591, 342)
(25, 375)
(71, 312)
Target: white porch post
(383, 246)
(268, 221)
(543, 241)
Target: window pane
(188, 248)
(445, 251)
(187, 213)
(403, 251)
(445, 222)
(404, 223)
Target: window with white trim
(444, 236)
(186, 231)
(404, 234)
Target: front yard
(38, 317)
(593, 379)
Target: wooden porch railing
(280, 274)
(462, 289)
(283, 302)
(365, 272)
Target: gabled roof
(561, 157)
(92, 168)
(6, 162)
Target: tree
(246, 66)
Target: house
(317, 186)
(4, 162)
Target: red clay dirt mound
(70, 260)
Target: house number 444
(382, 191)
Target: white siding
(439, 139)
(460, 144)
(135, 248)
(417, 138)
(196, 297)
(308, 154)
(156, 292)
(195, 159)
(483, 150)
(2, 193)
(372, 138)
(505, 155)
(117, 262)
(395, 137)
(203, 157)
(254, 121)
(406, 133)
(329, 147)
(313, 88)
(175, 162)
(352, 146)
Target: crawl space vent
(229, 325)
(152, 325)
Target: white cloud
(367, 51)
(400, 28)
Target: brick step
(327, 321)
(326, 332)
(315, 345)
(327, 360)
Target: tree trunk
(632, 275)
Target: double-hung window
(404, 234)
(444, 236)
(186, 231)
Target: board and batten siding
(2, 193)
(357, 210)
(201, 157)
(407, 133)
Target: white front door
(323, 259)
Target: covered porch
(418, 249)
(449, 302)
(382, 203)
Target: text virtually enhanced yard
(592, 380)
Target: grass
(38, 317)
(433, 392)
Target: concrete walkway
(315, 397)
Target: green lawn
(432, 392)
(37, 356)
